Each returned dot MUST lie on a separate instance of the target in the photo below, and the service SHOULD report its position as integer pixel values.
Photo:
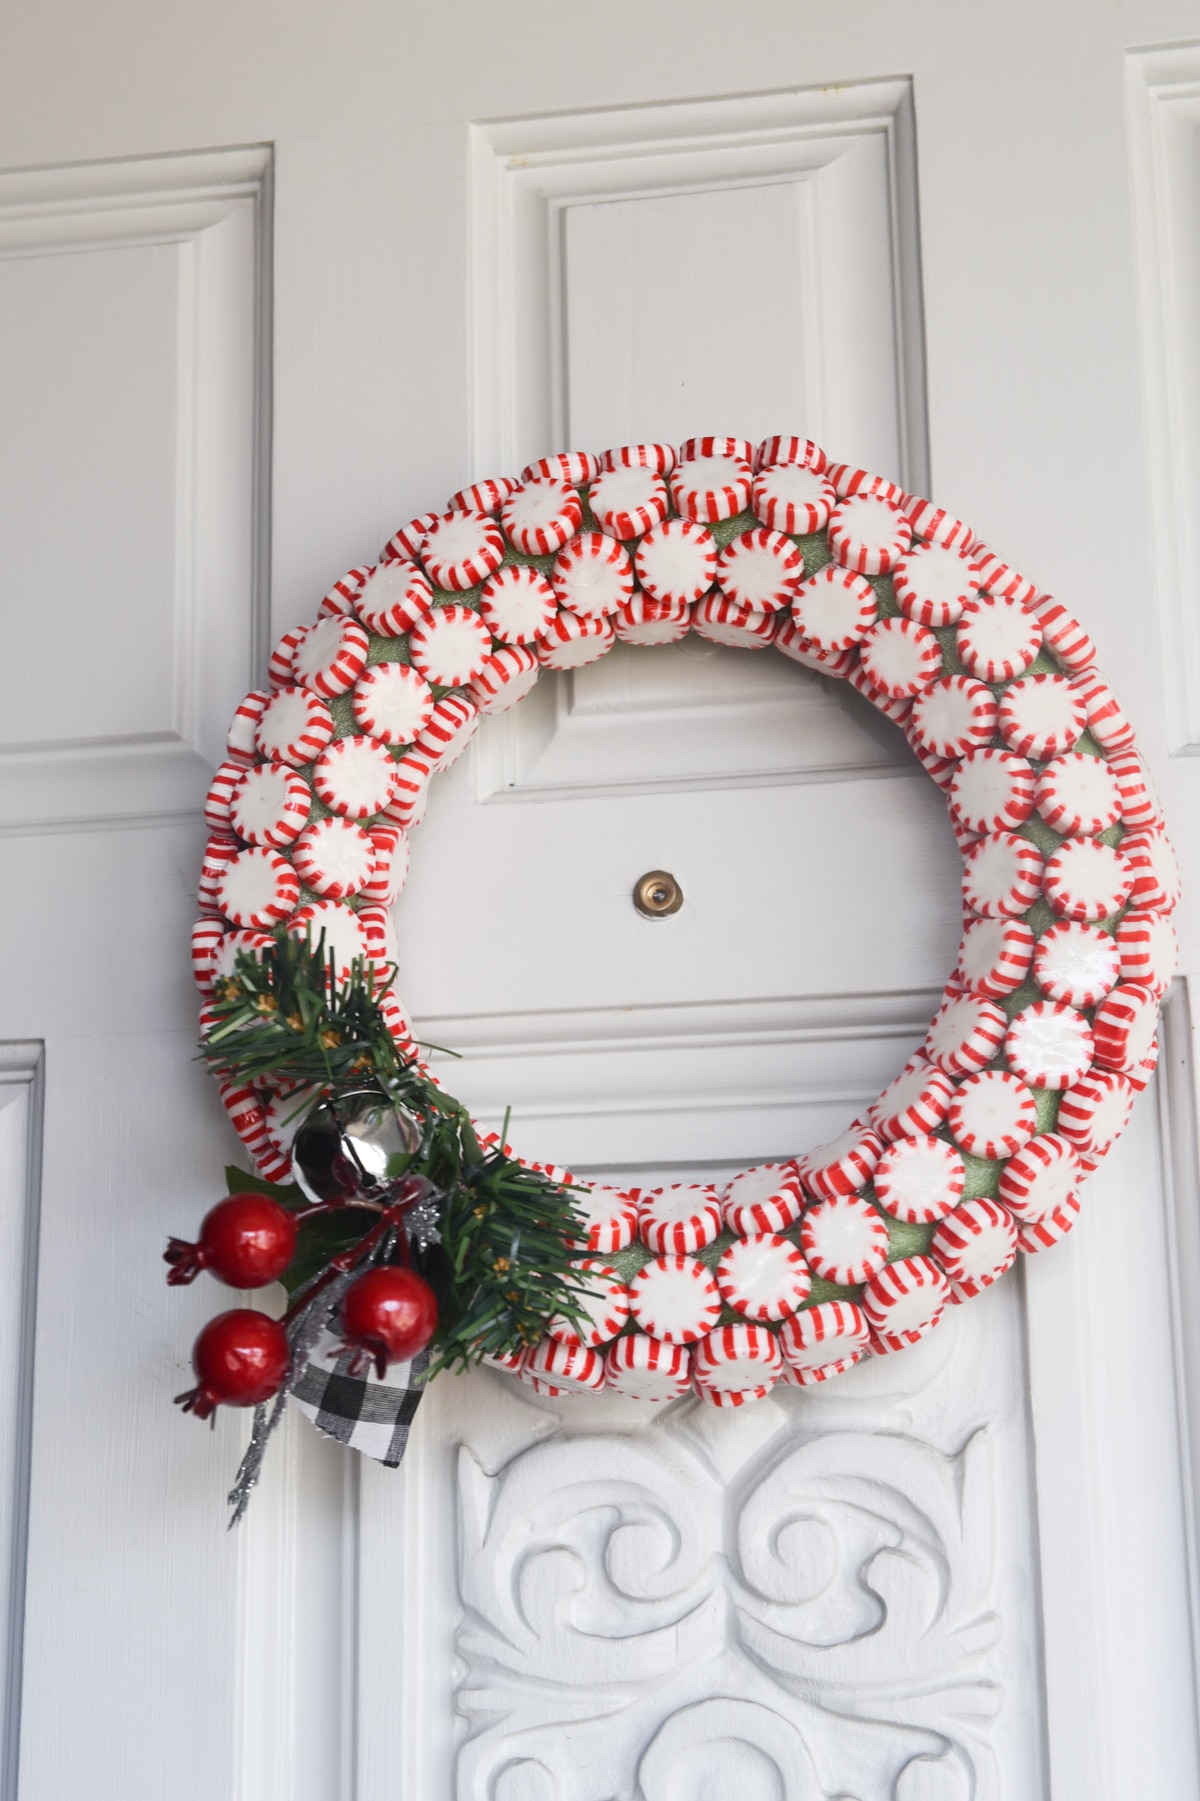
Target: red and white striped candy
(592, 575)
(904, 1301)
(608, 1218)
(1086, 880)
(241, 744)
(354, 777)
(900, 657)
(343, 596)
(1041, 716)
(1139, 802)
(511, 1361)
(295, 727)
(335, 858)
(975, 1245)
(270, 805)
(848, 480)
(712, 487)
(410, 791)
(505, 678)
(1049, 1045)
(898, 710)
(831, 1335)
(992, 791)
(676, 560)
(1148, 950)
(220, 851)
(335, 927)
(483, 496)
(1063, 634)
(953, 716)
(1106, 720)
(1040, 1177)
(1077, 795)
(992, 1115)
(379, 936)
(1140, 1075)
(1050, 1229)
(207, 935)
(919, 1180)
(783, 449)
(257, 887)
(646, 1369)
(767, 1198)
(389, 871)
(661, 458)
(835, 609)
(571, 1369)
(331, 656)
(933, 583)
(1076, 963)
(792, 498)
(221, 791)
(741, 449)
(998, 638)
(1002, 876)
(761, 570)
(723, 621)
(1124, 1026)
(1155, 885)
(675, 1298)
(845, 1165)
(1002, 579)
(392, 702)
(916, 1101)
(575, 466)
(844, 1240)
(1094, 1111)
(792, 642)
(942, 770)
(934, 525)
(643, 621)
(571, 641)
(450, 645)
(406, 544)
(604, 1302)
(517, 603)
(737, 1359)
(869, 534)
(683, 1217)
(541, 516)
(461, 548)
(281, 660)
(397, 596)
(763, 1277)
(995, 956)
(452, 725)
(626, 502)
(966, 1033)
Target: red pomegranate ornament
(246, 1241)
(387, 1315)
(240, 1358)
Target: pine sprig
(505, 1265)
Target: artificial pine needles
(504, 1266)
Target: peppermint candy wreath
(1046, 1032)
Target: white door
(274, 284)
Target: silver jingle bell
(354, 1145)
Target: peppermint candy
(763, 1277)
(675, 1298)
(844, 1240)
(683, 1217)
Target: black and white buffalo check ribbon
(361, 1412)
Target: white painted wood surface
(283, 285)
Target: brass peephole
(657, 894)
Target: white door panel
(276, 285)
